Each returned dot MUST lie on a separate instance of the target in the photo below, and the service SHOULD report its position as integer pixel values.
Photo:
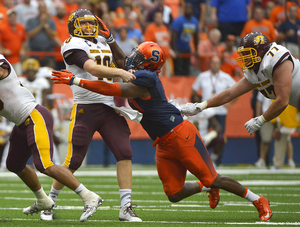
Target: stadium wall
(236, 151)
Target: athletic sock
(250, 195)
(80, 188)
(54, 193)
(40, 194)
(125, 196)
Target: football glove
(64, 77)
(105, 32)
(191, 109)
(255, 124)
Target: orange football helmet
(148, 56)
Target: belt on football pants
(160, 139)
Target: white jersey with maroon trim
(36, 87)
(263, 80)
(16, 101)
(99, 52)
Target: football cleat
(90, 206)
(214, 197)
(46, 215)
(263, 207)
(40, 204)
(127, 214)
(260, 164)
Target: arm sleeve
(76, 57)
(101, 87)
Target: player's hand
(255, 124)
(105, 31)
(191, 109)
(127, 76)
(62, 77)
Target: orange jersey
(175, 6)
(62, 33)
(265, 26)
(230, 64)
(159, 35)
(277, 14)
(13, 40)
(3, 16)
(71, 8)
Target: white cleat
(127, 214)
(261, 164)
(90, 206)
(46, 215)
(40, 204)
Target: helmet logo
(71, 16)
(259, 40)
(155, 56)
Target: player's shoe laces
(40, 204)
(46, 215)
(263, 207)
(91, 203)
(127, 213)
(214, 197)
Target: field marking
(174, 222)
(233, 171)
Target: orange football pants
(179, 151)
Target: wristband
(262, 119)
(202, 105)
(76, 80)
(110, 39)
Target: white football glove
(255, 124)
(191, 109)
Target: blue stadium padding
(236, 151)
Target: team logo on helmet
(259, 40)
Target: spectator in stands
(41, 32)
(122, 17)
(265, 132)
(199, 11)
(3, 15)
(13, 41)
(126, 44)
(166, 11)
(206, 49)
(268, 8)
(210, 83)
(158, 32)
(288, 31)
(175, 6)
(134, 32)
(5, 130)
(71, 6)
(61, 23)
(184, 29)
(229, 56)
(279, 12)
(25, 11)
(211, 132)
(260, 24)
(230, 15)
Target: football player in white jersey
(268, 67)
(32, 135)
(91, 56)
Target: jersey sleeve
(144, 78)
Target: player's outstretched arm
(126, 90)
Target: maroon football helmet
(252, 49)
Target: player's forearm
(118, 54)
(99, 87)
(275, 109)
(105, 72)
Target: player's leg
(18, 155)
(40, 141)
(115, 132)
